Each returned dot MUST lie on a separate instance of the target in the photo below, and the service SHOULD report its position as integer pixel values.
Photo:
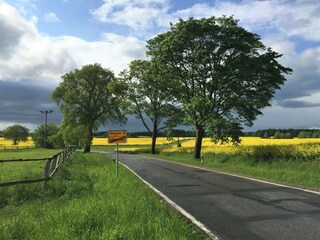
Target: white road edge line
(175, 206)
(235, 175)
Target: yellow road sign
(117, 136)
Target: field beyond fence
(31, 170)
(8, 144)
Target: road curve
(233, 207)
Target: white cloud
(52, 17)
(113, 51)
(288, 18)
(28, 55)
(138, 15)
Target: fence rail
(50, 168)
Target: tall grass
(85, 200)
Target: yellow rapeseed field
(308, 148)
(9, 143)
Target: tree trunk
(154, 139)
(197, 147)
(87, 147)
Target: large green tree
(74, 135)
(150, 102)
(89, 97)
(223, 74)
(16, 133)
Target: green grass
(298, 173)
(16, 171)
(85, 200)
(27, 153)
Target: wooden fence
(50, 168)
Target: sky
(40, 40)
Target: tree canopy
(222, 74)
(89, 97)
(149, 100)
(38, 137)
(16, 133)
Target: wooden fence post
(58, 159)
(54, 163)
(46, 173)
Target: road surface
(233, 207)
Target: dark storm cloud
(22, 103)
(299, 85)
(132, 125)
(304, 81)
(297, 104)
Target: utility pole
(46, 112)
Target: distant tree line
(285, 133)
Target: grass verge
(298, 173)
(85, 200)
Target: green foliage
(147, 90)
(278, 135)
(74, 135)
(222, 74)
(313, 133)
(304, 134)
(281, 135)
(89, 97)
(50, 131)
(16, 133)
(57, 140)
(288, 136)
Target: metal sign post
(117, 136)
(117, 158)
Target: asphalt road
(233, 207)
